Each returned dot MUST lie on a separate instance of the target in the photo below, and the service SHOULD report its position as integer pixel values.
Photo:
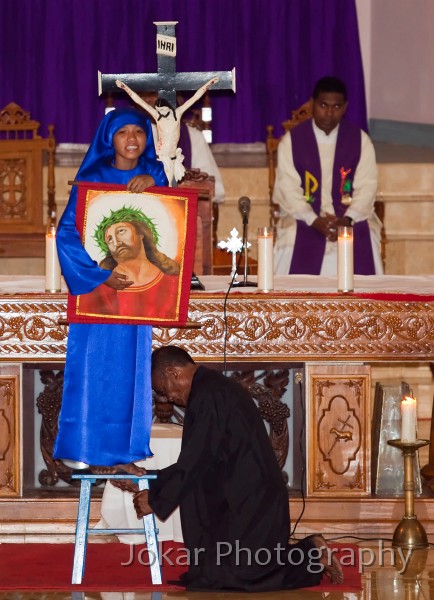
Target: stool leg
(151, 540)
(81, 531)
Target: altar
(389, 318)
(386, 320)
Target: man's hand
(126, 485)
(118, 281)
(327, 227)
(329, 224)
(344, 222)
(141, 504)
(139, 183)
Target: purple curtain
(51, 50)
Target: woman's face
(129, 143)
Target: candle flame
(409, 400)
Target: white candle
(345, 259)
(52, 265)
(408, 419)
(265, 259)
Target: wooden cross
(166, 81)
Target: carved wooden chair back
(299, 115)
(206, 229)
(22, 154)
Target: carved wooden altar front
(277, 327)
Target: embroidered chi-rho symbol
(310, 187)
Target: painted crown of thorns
(126, 214)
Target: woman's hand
(139, 183)
(118, 281)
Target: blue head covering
(81, 273)
(101, 152)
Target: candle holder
(409, 533)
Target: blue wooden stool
(82, 526)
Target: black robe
(232, 497)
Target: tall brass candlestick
(409, 533)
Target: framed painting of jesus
(149, 238)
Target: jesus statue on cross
(168, 121)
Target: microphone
(244, 207)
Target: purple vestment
(310, 244)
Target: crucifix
(167, 82)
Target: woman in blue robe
(106, 412)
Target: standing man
(326, 177)
(229, 487)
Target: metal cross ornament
(233, 244)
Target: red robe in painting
(159, 299)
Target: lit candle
(265, 259)
(345, 259)
(408, 419)
(52, 266)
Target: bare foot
(101, 470)
(332, 566)
(130, 468)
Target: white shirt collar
(322, 137)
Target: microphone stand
(245, 283)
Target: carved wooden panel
(22, 153)
(205, 185)
(276, 327)
(339, 430)
(10, 445)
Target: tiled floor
(383, 579)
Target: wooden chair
(299, 115)
(22, 153)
